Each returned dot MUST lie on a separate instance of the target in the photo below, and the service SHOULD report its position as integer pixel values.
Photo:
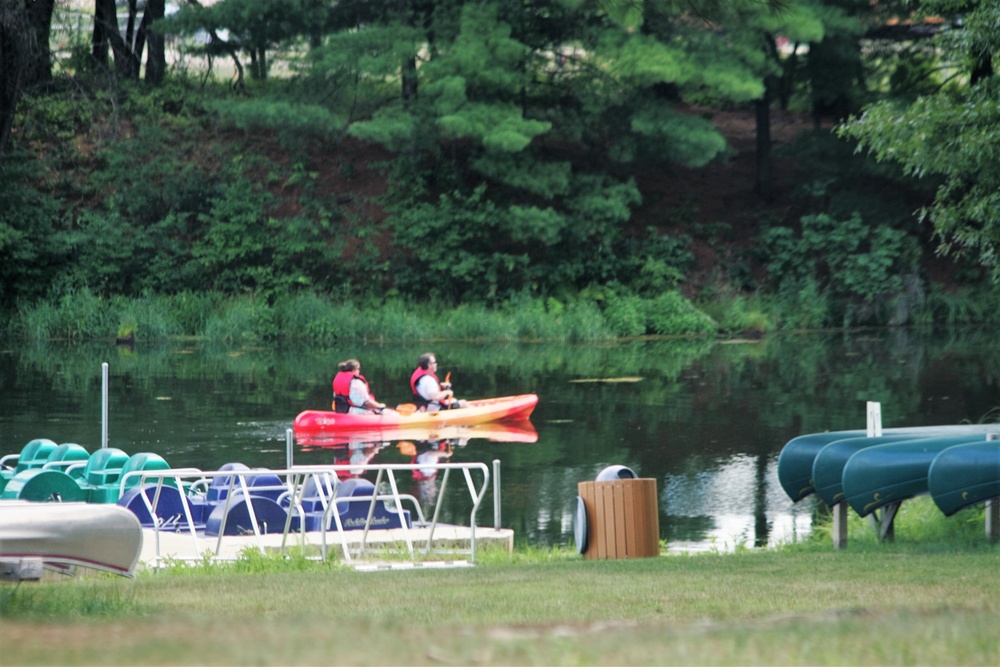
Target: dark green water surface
(706, 419)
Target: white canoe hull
(65, 535)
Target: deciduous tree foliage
(952, 135)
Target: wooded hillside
(481, 152)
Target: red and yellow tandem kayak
(505, 431)
(481, 411)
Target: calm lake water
(706, 419)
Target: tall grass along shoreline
(601, 315)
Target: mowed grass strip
(807, 606)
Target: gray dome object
(612, 473)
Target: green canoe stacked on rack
(958, 465)
(965, 475)
(877, 476)
(828, 466)
(798, 456)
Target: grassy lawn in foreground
(889, 604)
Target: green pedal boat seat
(69, 458)
(101, 475)
(33, 455)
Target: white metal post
(104, 405)
(496, 493)
(874, 419)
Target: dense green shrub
(626, 314)
(655, 262)
(858, 265)
(32, 250)
(670, 314)
(476, 246)
(236, 241)
(459, 247)
(802, 305)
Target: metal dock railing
(321, 481)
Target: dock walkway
(380, 545)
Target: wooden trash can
(621, 519)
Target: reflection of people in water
(362, 453)
(355, 454)
(427, 453)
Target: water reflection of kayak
(519, 431)
(505, 408)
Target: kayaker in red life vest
(429, 393)
(351, 393)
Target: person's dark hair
(349, 366)
(425, 360)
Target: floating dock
(448, 544)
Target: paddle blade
(406, 408)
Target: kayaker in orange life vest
(429, 393)
(351, 393)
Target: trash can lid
(615, 472)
